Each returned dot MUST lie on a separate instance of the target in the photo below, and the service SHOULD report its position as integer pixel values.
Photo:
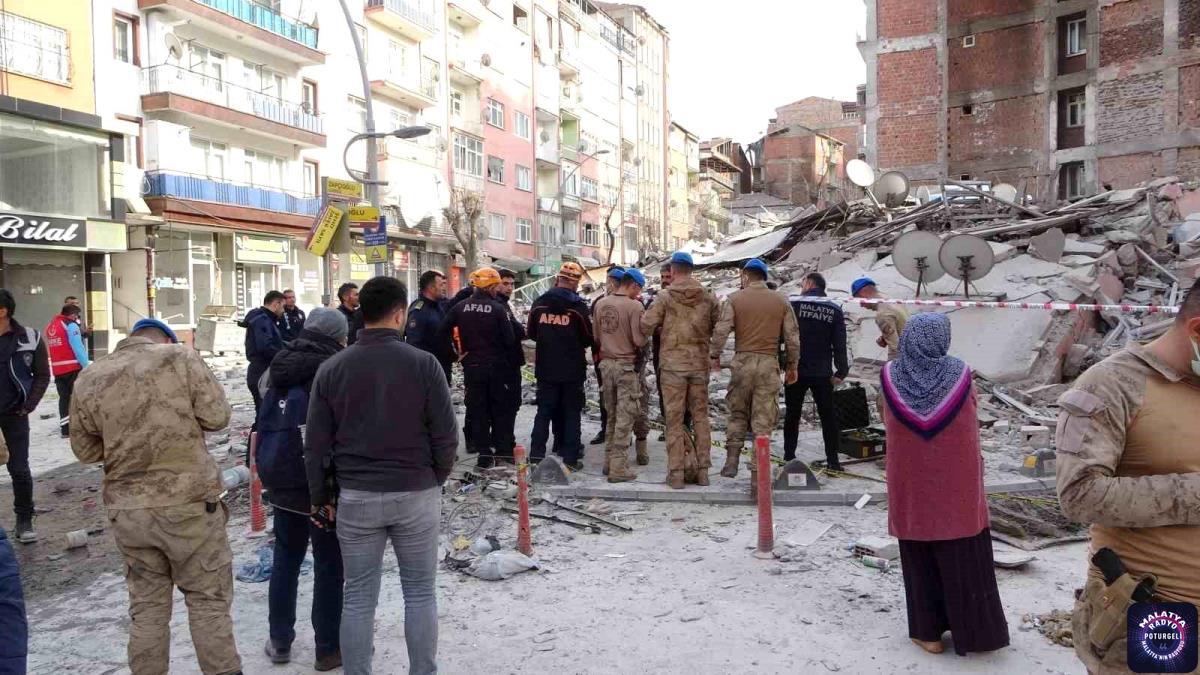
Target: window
(631, 238)
(358, 116)
(524, 178)
(397, 61)
(569, 228)
(549, 231)
(1076, 37)
(262, 170)
(608, 240)
(589, 189)
(35, 49)
(312, 178)
(308, 97)
(524, 128)
(520, 17)
(524, 230)
(1070, 181)
(398, 119)
(271, 83)
(1075, 109)
(132, 156)
(968, 41)
(495, 226)
(210, 64)
(125, 38)
(209, 158)
(571, 181)
(591, 234)
(468, 155)
(456, 103)
(495, 113)
(968, 110)
(495, 169)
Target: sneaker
(597, 439)
(576, 466)
(277, 654)
(25, 532)
(328, 661)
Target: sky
(734, 62)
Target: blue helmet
(155, 323)
(636, 277)
(860, 284)
(617, 272)
(757, 265)
(682, 258)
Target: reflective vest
(62, 357)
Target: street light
(367, 178)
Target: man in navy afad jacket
(263, 341)
(822, 347)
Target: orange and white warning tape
(1045, 306)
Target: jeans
(16, 435)
(292, 534)
(559, 406)
(822, 391)
(366, 522)
(14, 630)
(65, 384)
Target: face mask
(1195, 353)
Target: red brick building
(805, 151)
(1065, 96)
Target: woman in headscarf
(936, 503)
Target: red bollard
(258, 513)
(524, 539)
(766, 523)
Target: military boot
(675, 480)
(618, 468)
(643, 454)
(702, 476)
(733, 457)
(607, 461)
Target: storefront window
(53, 169)
(172, 278)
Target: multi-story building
(61, 206)
(802, 159)
(1061, 97)
(684, 176)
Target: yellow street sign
(364, 214)
(324, 229)
(336, 188)
(377, 254)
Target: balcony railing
(415, 12)
(619, 39)
(468, 182)
(219, 191)
(266, 19)
(176, 80)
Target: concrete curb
(726, 498)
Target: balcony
(415, 20)
(568, 63)
(171, 91)
(468, 182)
(571, 202)
(409, 89)
(272, 205)
(547, 205)
(719, 180)
(284, 37)
(465, 69)
(465, 13)
(471, 126)
(547, 153)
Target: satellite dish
(967, 258)
(486, 59)
(584, 147)
(544, 136)
(1005, 191)
(174, 47)
(923, 194)
(860, 173)
(892, 188)
(915, 255)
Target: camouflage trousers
(186, 547)
(687, 390)
(753, 397)
(624, 391)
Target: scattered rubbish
(485, 545)
(862, 501)
(1054, 625)
(260, 570)
(550, 471)
(881, 564)
(77, 539)
(614, 555)
(693, 613)
(590, 527)
(807, 532)
(235, 476)
(499, 565)
(1011, 560)
(547, 499)
(460, 543)
(887, 548)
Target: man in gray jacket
(382, 429)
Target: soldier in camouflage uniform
(757, 316)
(1128, 454)
(687, 313)
(142, 412)
(617, 318)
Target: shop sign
(34, 230)
(264, 250)
(377, 253)
(324, 229)
(364, 215)
(341, 190)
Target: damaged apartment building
(1065, 97)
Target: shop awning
(514, 263)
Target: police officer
(291, 322)
(485, 338)
(425, 317)
(23, 380)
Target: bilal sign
(35, 230)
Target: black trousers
(491, 411)
(16, 435)
(292, 534)
(822, 391)
(559, 406)
(65, 384)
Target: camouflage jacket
(758, 316)
(687, 313)
(142, 411)
(891, 320)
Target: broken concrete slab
(1049, 245)
(1078, 247)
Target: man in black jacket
(281, 466)
(263, 342)
(425, 317)
(516, 355)
(380, 419)
(25, 376)
(291, 321)
(559, 323)
(486, 340)
(348, 306)
(822, 341)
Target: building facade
(802, 159)
(1063, 98)
(683, 175)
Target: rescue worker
(456, 343)
(23, 382)
(889, 318)
(142, 411)
(14, 628)
(687, 313)
(1128, 464)
(617, 325)
(291, 322)
(348, 306)
(425, 317)
(68, 356)
(559, 324)
(612, 282)
(822, 342)
(263, 342)
(516, 353)
(757, 316)
(486, 336)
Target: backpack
(281, 439)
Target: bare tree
(462, 215)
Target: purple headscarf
(924, 386)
